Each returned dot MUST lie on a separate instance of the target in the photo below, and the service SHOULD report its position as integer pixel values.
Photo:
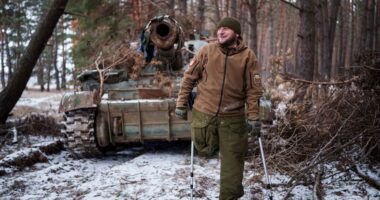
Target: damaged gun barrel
(165, 35)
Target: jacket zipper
(224, 79)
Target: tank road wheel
(79, 132)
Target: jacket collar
(234, 50)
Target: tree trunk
(183, 6)
(339, 50)
(192, 9)
(346, 36)
(171, 6)
(2, 58)
(370, 25)
(280, 38)
(217, 11)
(8, 52)
(10, 95)
(262, 41)
(305, 59)
(319, 39)
(136, 16)
(63, 75)
(40, 75)
(364, 27)
(271, 30)
(200, 16)
(377, 40)
(329, 16)
(55, 60)
(49, 64)
(19, 46)
(353, 47)
(233, 9)
(243, 18)
(252, 6)
(150, 10)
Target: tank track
(79, 132)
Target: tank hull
(140, 120)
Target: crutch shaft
(192, 170)
(263, 160)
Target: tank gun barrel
(164, 35)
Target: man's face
(226, 36)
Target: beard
(229, 42)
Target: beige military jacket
(228, 81)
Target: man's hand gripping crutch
(255, 126)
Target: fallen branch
(23, 159)
(334, 137)
(371, 181)
(371, 68)
(287, 194)
(29, 156)
(323, 158)
(321, 124)
(317, 189)
(324, 83)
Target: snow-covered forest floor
(153, 171)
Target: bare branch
(101, 76)
(324, 83)
(333, 138)
(291, 4)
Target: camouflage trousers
(229, 136)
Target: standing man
(228, 84)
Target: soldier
(228, 84)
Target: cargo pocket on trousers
(205, 137)
(238, 139)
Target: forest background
(313, 40)
(320, 61)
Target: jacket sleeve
(254, 88)
(191, 76)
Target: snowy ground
(154, 171)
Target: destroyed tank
(113, 109)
